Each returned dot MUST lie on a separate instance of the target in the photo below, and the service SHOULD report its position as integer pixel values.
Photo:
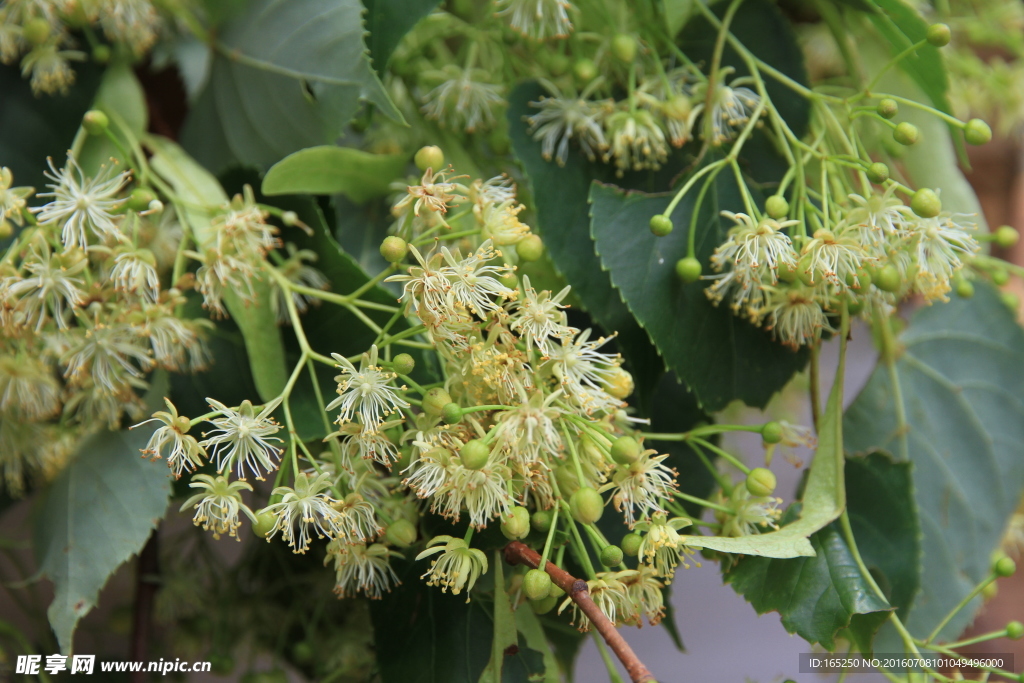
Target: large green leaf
(96, 514)
(387, 21)
(960, 374)
(330, 169)
(121, 98)
(202, 196)
(287, 75)
(719, 355)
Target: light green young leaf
(533, 633)
(505, 634)
(201, 196)
(329, 169)
(121, 98)
(96, 514)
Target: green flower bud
(771, 432)
(584, 70)
(265, 523)
(95, 122)
(394, 249)
(1000, 276)
(140, 198)
(530, 248)
(403, 364)
(625, 450)
(964, 288)
(905, 134)
(761, 481)
(290, 218)
(939, 35)
(101, 54)
(401, 533)
(661, 225)
(1015, 630)
(435, 400)
(516, 524)
(887, 278)
(787, 273)
(1005, 236)
(536, 584)
(631, 544)
(1004, 567)
(556, 592)
(926, 203)
(1010, 300)
(776, 206)
(977, 132)
(878, 173)
(474, 454)
(558, 64)
(541, 521)
(6, 229)
(688, 269)
(36, 30)
(611, 555)
(624, 47)
(586, 505)
(544, 605)
(887, 108)
(451, 413)
(430, 156)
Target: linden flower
(751, 512)
(49, 68)
(647, 592)
(111, 355)
(366, 391)
(28, 388)
(643, 485)
(494, 191)
(529, 430)
(501, 223)
(430, 471)
(483, 493)
(242, 229)
(222, 272)
(875, 217)
(244, 437)
(939, 244)
(795, 317)
(172, 441)
(12, 199)
(177, 344)
(473, 280)
(611, 594)
(458, 567)
(304, 506)
(426, 290)
(637, 142)
(355, 521)
(561, 119)
(731, 109)
(134, 273)
(130, 22)
(434, 194)
(584, 371)
(749, 258)
(50, 288)
(366, 444)
(537, 19)
(361, 569)
(836, 258)
(539, 318)
(464, 101)
(82, 204)
(218, 505)
(661, 547)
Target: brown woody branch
(520, 553)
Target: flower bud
(586, 505)
(530, 248)
(474, 454)
(926, 203)
(517, 524)
(430, 156)
(977, 132)
(1010, 300)
(394, 249)
(140, 198)
(95, 122)
(624, 47)
(101, 54)
(6, 229)
(401, 533)
(964, 288)
(451, 413)
(536, 584)
(403, 364)
(619, 384)
(771, 432)
(36, 30)
(625, 450)
(1015, 630)
(290, 218)
(541, 521)
(887, 278)
(1000, 276)
(611, 555)
(264, 524)
(631, 544)
(688, 269)
(761, 481)
(905, 133)
(1004, 567)
(155, 206)
(584, 70)
(939, 35)
(776, 206)
(887, 108)
(661, 225)
(878, 173)
(1006, 237)
(435, 400)
(545, 605)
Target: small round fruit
(661, 224)
(1000, 276)
(394, 249)
(611, 555)
(631, 544)
(625, 450)
(430, 156)
(887, 108)
(451, 413)
(964, 289)
(530, 248)
(541, 521)
(771, 432)
(536, 584)
(977, 132)
(474, 454)
(95, 122)
(887, 278)
(435, 400)
(586, 505)
(905, 134)
(878, 173)
(624, 47)
(776, 206)
(926, 203)
(939, 35)
(290, 218)
(36, 30)
(688, 269)
(1004, 567)
(543, 606)
(1015, 630)
(401, 533)
(516, 524)
(761, 481)
(403, 363)
(140, 199)
(264, 524)
(1005, 236)
(584, 70)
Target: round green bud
(631, 544)
(887, 278)
(855, 305)
(530, 248)
(1000, 276)
(1010, 300)
(403, 364)
(140, 199)
(517, 524)
(625, 450)
(688, 269)
(977, 132)
(556, 592)
(771, 432)
(776, 206)
(394, 249)
(939, 35)
(430, 156)
(474, 454)
(401, 533)
(905, 134)
(611, 555)
(451, 413)
(989, 591)
(1005, 236)
(545, 605)
(1004, 567)
(95, 122)
(36, 30)
(926, 203)
(541, 521)
(624, 47)
(1015, 630)
(435, 400)
(964, 289)
(155, 206)
(558, 64)
(6, 229)
(887, 108)
(584, 70)
(289, 218)
(661, 225)
(586, 505)
(761, 481)
(264, 524)
(101, 54)
(878, 173)
(787, 273)
(536, 584)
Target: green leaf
(387, 21)
(286, 76)
(358, 175)
(961, 387)
(96, 514)
(533, 634)
(677, 12)
(121, 98)
(720, 356)
(202, 196)
(505, 634)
